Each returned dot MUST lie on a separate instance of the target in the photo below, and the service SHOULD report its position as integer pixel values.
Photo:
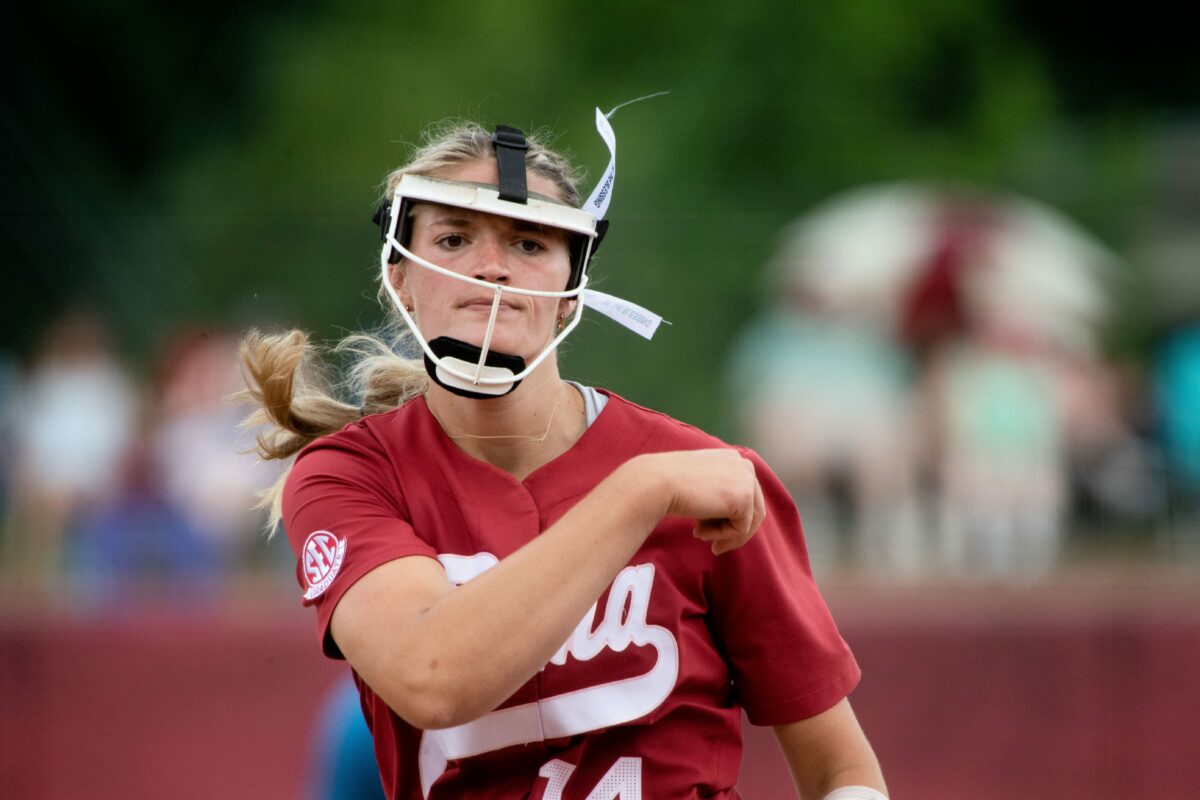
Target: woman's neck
(518, 432)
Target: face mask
(479, 371)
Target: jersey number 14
(623, 781)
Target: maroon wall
(1089, 691)
(1071, 691)
(157, 707)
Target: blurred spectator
(986, 308)
(118, 491)
(76, 416)
(1118, 480)
(8, 399)
(1004, 315)
(1000, 452)
(200, 446)
(1176, 389)
(822, 393)
(137, 538)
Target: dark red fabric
(745, 629)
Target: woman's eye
(452, 241)
(530, 247)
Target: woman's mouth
(485, 304)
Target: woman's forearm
(479, 643)
(829, 751)
(440, 655)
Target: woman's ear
(397, 275)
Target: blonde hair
(447, 145)
(287, 380)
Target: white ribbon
(641, 321)
(598, 202)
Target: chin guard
(464, 357)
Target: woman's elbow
(429, 713)
(431, 703)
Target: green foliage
(772, 108)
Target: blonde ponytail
(285, 374)
(286, 384)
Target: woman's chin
(501, 343)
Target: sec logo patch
(321, 557)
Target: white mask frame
(479, 377)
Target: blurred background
(936, 261)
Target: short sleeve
(344, 516)
(787, 658)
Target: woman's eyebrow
(524, 226)
(450, 220)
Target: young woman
(543, 589)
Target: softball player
(543, 589)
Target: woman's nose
(493, 262)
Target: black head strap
(383, 218)
(510, 148)
(383, 213)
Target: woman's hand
(717, 488)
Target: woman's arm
(828, 751)
(440, 656)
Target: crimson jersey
(644, 698)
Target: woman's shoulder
(364, 440)
(663, 431)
